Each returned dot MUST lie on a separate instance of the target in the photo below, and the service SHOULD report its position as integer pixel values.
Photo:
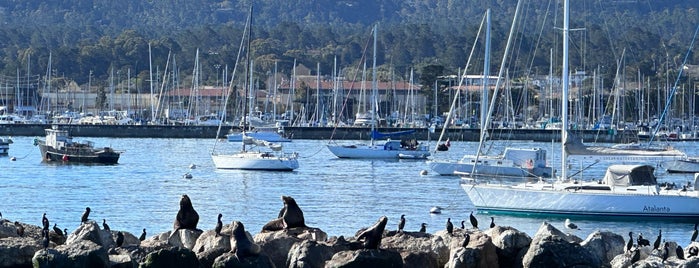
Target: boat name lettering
(654, 209)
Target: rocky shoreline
(295, 245)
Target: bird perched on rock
(679, 252)
(57, 230)
(423, 227)
(85, 216)
(219, 225)
(105, 225)
(45, 222)
(693, 251)
(666, 251)
(642, 241)
(401, 223)
(45, 238)
(656, 244)
(571, 225)
(694, 233)
(450, 226)
(467, 239)
(474, 221)
(120, 239)
(143, 235)
(20, 229)
(65, 231)
(492, 222)
(630, 243)
(463, 227)
(0, 215)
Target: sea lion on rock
(372, 236)
(241, 246)
(290, 216)
(187, 217)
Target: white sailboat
(391, 149)
(254, 154)
(624, 191)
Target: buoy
(65, 157)
(423, 172)
(13, 158)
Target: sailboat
(254, 154)
(515, 162)
(391, 149)
(624, 191)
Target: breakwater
(313, 133)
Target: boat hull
(255, 161)
(682, 166)
(261, 135)
(93, 156)
(504, 199)
(4, 148)
(447, 168)
(362, 151)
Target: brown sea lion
(241, 245)
(372, 235)
(187, 217)
(290, 216)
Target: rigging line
(606, 29)
(538, 39)
(674, 87)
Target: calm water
(339, 196)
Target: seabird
(45, 222)
(143, 235)
(57, 230)
(694, 233)
(666, 251)
(467, 238)
(463, 227)
(571, 225)
(492, 222)
(65, 232)
(20, 229)
(86, 214)
(13, 158)
(0, 215)
(192, 166)
(187, 175)
(45, 238)
(120, 239)
(105, 226)
(436, 210)
(642, 241)
(219, 225)
(401, 223)
(693, 251)
(656, 244)
(680, 252)
(636, 255)
(423, 227)
(474, 221)
(450, 226)
(630, 243)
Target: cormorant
(45, 222)
(630, 243)
(120, 239)
(694, 233)
(450, 226)
(680, 252)
(656, 244)
(85, 216)
(219, 225)
(57, 230)
(105, 226)
(401, 223)
(492, 222)
(423, 227)
(143, 235)
(467, 238)
(474, 221)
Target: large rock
(604, 245)
(365, 258)
(18, 251)
(174, 257)
(228, 260)
(90, 231)
(511, 245)
(82, 253)
(551, 248)
(209, 240)
(186, 238)
(480, 252)
(277, 244)
(417, 245)
(309, 254)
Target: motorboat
(390, 149)
(688, 165)
(5, 145)
(512, 162)
(60, 147)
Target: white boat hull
(362, 151)
(450, 168)
(682, 166)
(261, 135)
(510, 199)
(256, 161)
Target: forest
(87, 41)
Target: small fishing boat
(60, 147)
(5, 145)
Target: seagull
(436, 210)
(192, 166)
(571, 225)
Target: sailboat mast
(248, 71)
(564, 91)
(374, 89)
(486, 74)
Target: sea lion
(290, 216)
(187, 217)
(372, 235)
(241, 246)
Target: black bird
(105, 226)
(85, 216)
(467, 238)
(120, 239)
(463, 227)
(630, 243)
(423, 227)
(656, 244)
(401, 223)
(570, 225)
(143, 235)
(474, 221)
(219, 225)
(636, 255)
(694, 233)
(45, 238)
(642, 241)
(450, 226)
(45, 222)
(65, 231)
(57, 230)
(679, 252)
(666, 252)
(0, 215)
(20, 229)
(492, 222)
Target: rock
(122, 261)
(185, 238)
(174, 257)
(228, 260)
(18, 251)
(209, 256)
(82, 253)
(90, 231)
(277, 244)
(423, 245)
(481, 252)
(604, 245)
(419, 260)
(208, 240)
(309, 254)
(551, 248)
(7, 229)
(366, 258)
(511, 245)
